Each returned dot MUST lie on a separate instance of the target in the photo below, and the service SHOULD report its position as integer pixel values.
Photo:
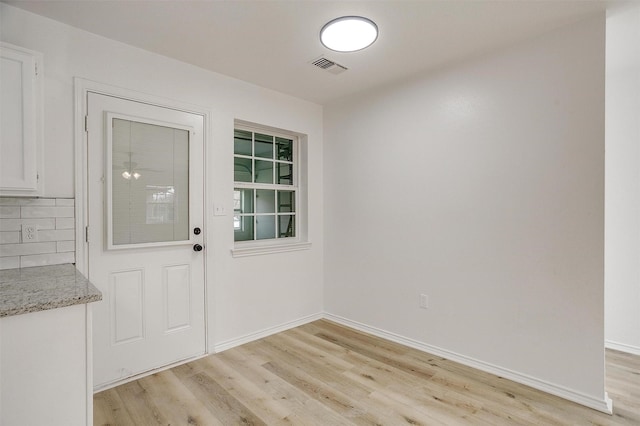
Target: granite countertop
(40, 288)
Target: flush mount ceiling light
(349, 34)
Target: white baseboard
(622, 347)
(228, 344)
(605, 405)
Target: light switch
(219, 210)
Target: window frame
(278, 244)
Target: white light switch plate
(219, 210)
(424, 301)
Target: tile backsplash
(36, 232)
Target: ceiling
(271, 43)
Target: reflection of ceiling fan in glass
(131, 171)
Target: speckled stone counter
(43, 287)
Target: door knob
(197, 247)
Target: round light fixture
(349, 34)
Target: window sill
(258, 250)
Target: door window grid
(265, 186)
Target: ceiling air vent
(329, 65)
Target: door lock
(196, 231)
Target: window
(266, 190)
(148, 183)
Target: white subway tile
(54, 219)
(56, 235)
(9, 262)
(7, 212)
(7, 250)
(10, 224)
(40, 224)
(38, 211)
(65, 223)
(47, 259)
(11, 201)
(16, 224)
(10, 237)
(65, 246)
(65, 202)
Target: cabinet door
(20, 120)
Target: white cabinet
(45, 365)
(20, 121)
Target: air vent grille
(323, 63)
(329, 65)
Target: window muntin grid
(265, 189)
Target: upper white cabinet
(20, 121)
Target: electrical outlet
(29, 233)
(424, 301)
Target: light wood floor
(325, 374)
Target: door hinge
(86, 234)
(86, 123)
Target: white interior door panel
(145, 198)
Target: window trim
(299, 178)
(255, 248)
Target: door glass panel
(149, 183)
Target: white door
(145, 236)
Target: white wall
(481, 186)
(245, 295)
(622, 202)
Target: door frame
(82, 88)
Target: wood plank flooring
(326, 374)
